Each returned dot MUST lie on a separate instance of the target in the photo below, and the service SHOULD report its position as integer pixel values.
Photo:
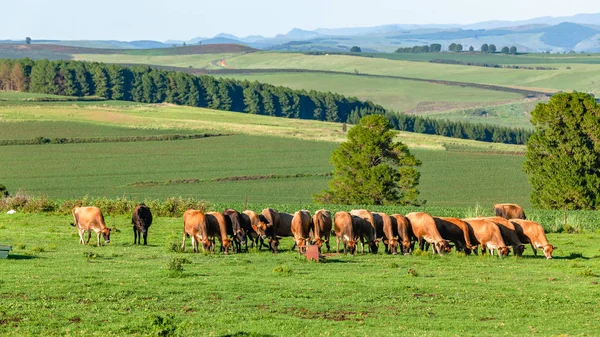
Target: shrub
(283, 270)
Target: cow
(343, 226)
(509, 234)
(533, 233)
(425, 231)
(216, 226)
(284, 230)
(90, 219)
(386, 231)
(487, 234)
(301, 223)
(194, 225)
(455, 231)
(370, 235)
(509, 211)
(322, 228)
(141, 221)
(259, 224)
(404, 231)
(273, 217)
(235, 228)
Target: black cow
(235, 228)
(141, 220)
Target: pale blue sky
(185, 19)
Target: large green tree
(563, 155)
(371, 168)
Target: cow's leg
(194, 243)
(145, 238)
(81, 232)
(89, 236)
(421, 243)
(327, 237)
(337, 244)
(98, 237)
(534, 250)
(345, 244)
(183, 244)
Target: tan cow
(259, 225)
(90, 219)
(509, 234)
(194, 225)
(301, 224)
(386, 231)
(509, 211)
(322, 228)
(455, 231)
(533, 233)
(216, 226)
(404, 231)
(365, 233)
(343, 227)
(425, 231)
(487, 234)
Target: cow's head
(548, 251)
(350, 245)
(443, 247)
(406, 246)
(519, 250)
(503, 251)
(261, 227)
(106, 234)
(207, 245)
(302, 245)
(240, 235)
(274, 243)
(374, 245)
(392, 244)
(318, 242)
(226, 245)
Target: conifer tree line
(149, 85)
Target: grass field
(195, 61)
(51, 286)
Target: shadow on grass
(573, 256)
(22, 257)
(247, 334)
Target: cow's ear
(554, 247)
(386, 242)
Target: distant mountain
(297, 33)
(221, 40)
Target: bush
(283, 270)
(3, 191)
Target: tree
(435, 48)
(563, 155)
(492, 48)
(505, 50)
(355, 49)
(370, 168)
(28, 40)
(459, 47)
(3, 191)
(485, 48)
(513, 50)
(471, 49)
(452, 47)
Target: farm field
(195, 61)
(51, 286)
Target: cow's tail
(465, 228)
(76, 219)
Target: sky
(162, 20)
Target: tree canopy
(563, 154)
(370, 168)
(355, 49)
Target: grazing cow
(343, 226)
(273, 217)
(235, 228)
(386, 231)
(194, 225)
(141, 221)
(90, 219)
(509, 234)
(322, 228)
(259, 225)
(301, 223)
(509, 211)
(455, 231)
(284, 230)
(487, 234)
(404, 231)
(533, 233)
(366, 234)
(425, 231)
(216, 225)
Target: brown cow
(322, 228)
(455, 231)
(386, 231)
(487, 234)
(509, 234)
(90, 219)
(365, 233)
(343, 227)
(509, 211)
(425, 231)
(533, 233)
(194, 225)
(141, 221)
(273, 217)
(216, 226)
(284, 229)
(235, 228)
(301, 223)
(404, 231)
(259, 225)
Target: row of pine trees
(149, 85)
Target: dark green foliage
(505, 50)
(455, 47)
(355, 49)
(563, 154)
(434, 48)
(492, 48)
(3, 191)
(485, 48)
(370, 168)
(513, 50)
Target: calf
(386, 231)
(455, 231)
(141, 221)
(370, 235)
(533, 233)
(194, 225)
(322, 228)
(344, 230)
(301, 223)
(235, 228)
(404, 231)
(217, 227)
(425, 231)
(487, 234)
(509, 211)
(509, 234)
(90, 219)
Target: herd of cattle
(234, 230)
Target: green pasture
(191, 61)
(51, 286)
(496, 58)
